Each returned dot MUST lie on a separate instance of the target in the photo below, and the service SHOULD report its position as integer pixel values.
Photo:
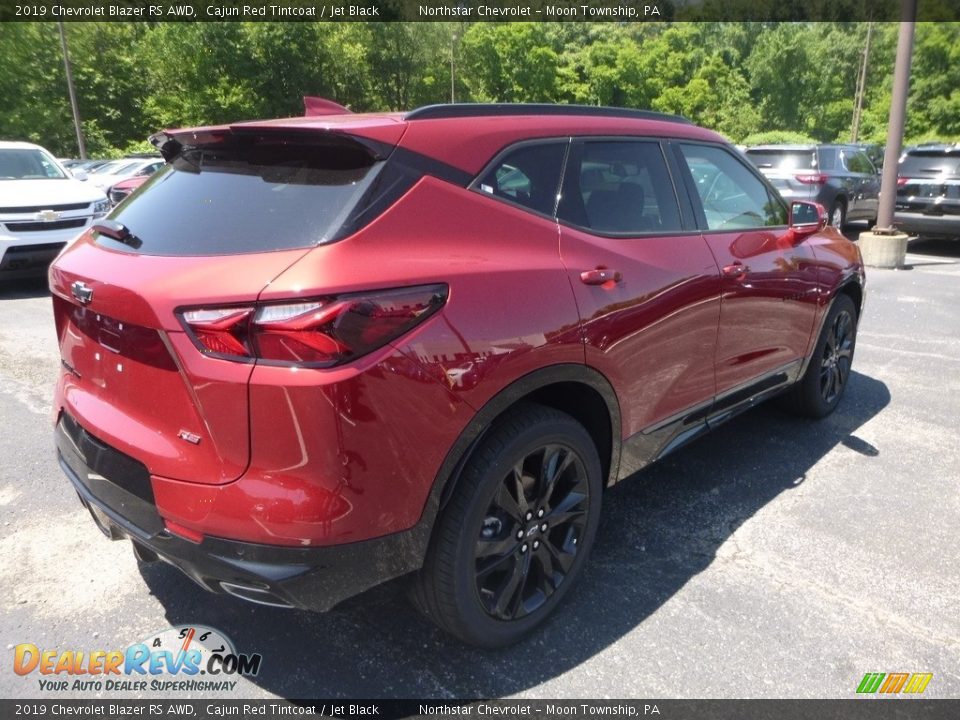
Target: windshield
(28, 164)
(247, 198)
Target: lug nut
(543, 527)
(540, 512)
(529, 515)
(523, 548)
(536, 544)
(519, 534)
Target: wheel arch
(578, 390)
(852, 288)
(849, 287)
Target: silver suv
(840, 177)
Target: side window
(733, 197)
(529, 176)
(619, 187)
(859, 163)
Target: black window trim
(694, 196)
(474, 185)
(688, 220)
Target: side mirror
(79, 174)
(807, 218)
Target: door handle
(599, 276)
(737, 270)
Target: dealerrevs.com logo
(181, 659)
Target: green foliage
(753, 82)
(776, 137)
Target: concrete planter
(883, 250)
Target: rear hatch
(796, 173)
(212, 229)
(929, 182)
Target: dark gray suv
(839, 177)
(928, 191)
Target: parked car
(118, 192)
(109, 175)
(313, 355)
(928, 191)
(839, 177)
(41, 208)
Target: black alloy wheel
(516, 531)
(528, 539)
(818, 392)
(837, 357)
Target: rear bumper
(116, 490)
(922, 224)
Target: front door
(768, 281)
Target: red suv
(314, 354)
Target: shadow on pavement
(940, 251)
(659, 529)
(21, 288)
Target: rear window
(244, 198)
(783, 159)
(930, 163)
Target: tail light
(901, 181)
(316, 333)
(813, 178)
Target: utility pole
(861, 86)
(73, 95)
(883, 245)
(898, 113)
(453, 87)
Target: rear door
(768, 283)
(645, 282)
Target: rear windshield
(245, 198)
(931, 162)
(783, 159)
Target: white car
(111, 173)
(42, 208)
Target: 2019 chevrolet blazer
(314, 354)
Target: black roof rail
(464, 110)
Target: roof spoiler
(165, 143)
(315, 106)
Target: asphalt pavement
(775, 557)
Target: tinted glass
(529, 176)
(783, 159)
(858, 162)
(733, 197)
(930, 162)
(828, 158)
(258, 197)
(619, 188)
(27, 164)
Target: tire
(492, 572)
(818, 392)
(838, 214)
